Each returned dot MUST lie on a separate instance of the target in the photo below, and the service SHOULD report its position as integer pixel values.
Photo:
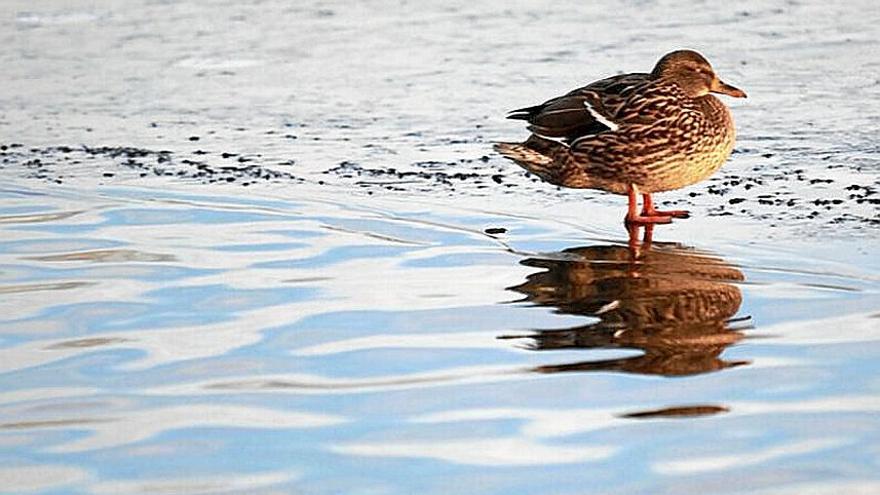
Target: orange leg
(633, 216)
(648, 209)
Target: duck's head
(694, 74)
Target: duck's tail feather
(524, 113)
(523, 155)
(537, 155)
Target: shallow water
(170, 342)
(387, 307)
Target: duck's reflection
(672, 302)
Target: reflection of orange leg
(648, 209)
(649, 236)
(635, 246)
(645, 218)
(634, 243)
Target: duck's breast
(700, 143)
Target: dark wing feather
(572, 116)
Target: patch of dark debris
(475, 173)
(56, 164)
(350, 170)
(826, 194)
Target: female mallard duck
(632, 133)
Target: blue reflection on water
(304, 352)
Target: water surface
(173, 342)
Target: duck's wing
(585, 111)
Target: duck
(632, 134)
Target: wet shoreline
(835, 196)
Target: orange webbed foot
(646, 219)
(667, 213)
(648, 207)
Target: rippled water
(387, 308)
(164, 342)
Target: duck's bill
(727, 89)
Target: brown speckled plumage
(632, 133)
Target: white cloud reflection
(482, 451)
(118, 426)
(209, 484)
(38, 477)
(550, 423)
(850, 328)
(749, 457)
(539, 423)
(439, 340)
(303, 383)
(849, 487)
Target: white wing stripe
(598, 116)
(555, 139)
